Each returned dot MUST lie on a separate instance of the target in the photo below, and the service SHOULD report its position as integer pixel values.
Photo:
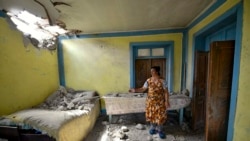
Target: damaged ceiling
(108, 16)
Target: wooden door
(221, 58)
(142, 72)
(162, 64)
(199, 90)
(142, 69)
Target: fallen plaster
(132, 127)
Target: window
(143, 52)
(150, 52)
(154, 52)
(158, 52)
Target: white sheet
(46, 121)
(122, 103)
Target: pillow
(86, 94)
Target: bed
(66, 115)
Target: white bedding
(122, 103)
(58, 111)
(47, 121)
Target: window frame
(168, 47)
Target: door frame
(235, 14)
(168, 55)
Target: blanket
(61, 107)
(46, 121)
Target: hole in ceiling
(38, 30)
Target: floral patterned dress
(155, 102)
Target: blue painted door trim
(184, 58)
(199, 37)
(169, 55)
(2, 14)
(236, 69)
(60, 64)
(236, 13)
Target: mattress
(64, 115)
(78, 128)
(72, 125)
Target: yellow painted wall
(27, 75)
(103, 64)
(242, 122)
(210, 18)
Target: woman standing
(157, 101)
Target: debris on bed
(57, 112)
(68, 99)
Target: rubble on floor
(133, 127)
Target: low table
(125, 103)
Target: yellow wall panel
(103, 64)
(27, 75)
(210, 18)
(242, 122)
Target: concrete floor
(106, 131)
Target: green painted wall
(27, 75)
(242, 122)
(103, 64)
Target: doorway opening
(144, 55)
(222, 29)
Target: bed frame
(15, 134)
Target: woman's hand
(131, 90)
(167, 104)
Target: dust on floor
(133, 127)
